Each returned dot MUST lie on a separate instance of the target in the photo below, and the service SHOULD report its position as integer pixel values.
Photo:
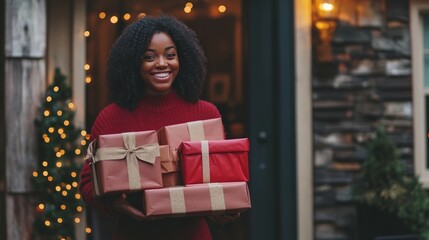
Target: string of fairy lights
(114, 19)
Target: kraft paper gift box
(125, 162)
(215, 161)
(174, 135)
(197, 199)
(170, 168)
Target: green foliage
(383, 183)
(57, 174)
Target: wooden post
(25, 47)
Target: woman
(155, 73)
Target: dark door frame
(2, 125)
(270, 75)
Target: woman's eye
(171, 55)
(149, 57)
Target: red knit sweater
(152, 113)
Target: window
(420, 61)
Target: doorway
(222, 44)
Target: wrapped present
(215, 161)
(125, 162)
(197, 199)
(174, 135)
(170, 168)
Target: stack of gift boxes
(182, 169)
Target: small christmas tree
(384, 184)
(60, 151)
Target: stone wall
(361, 79)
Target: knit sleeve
(86, 185)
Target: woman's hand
(224, 219)
(123, 207)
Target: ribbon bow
(90, 151)
(132, 154)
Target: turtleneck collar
(160, 103)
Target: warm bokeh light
(59, 113)
(64, 193)
(59, 164)
(45, 163)
(222, 8)
(41, 206)
(47, 223)
(58, 154)
(51, 129)
(326, 7)
(77, 220)
(77, 196)
(46, 113)
(77, 151)
(86, 33)
(45, 173)
(127, 16)
(322, 25)
(88, 230)
(70, 105)
(88, 79)
(114, 19)
(74, 184)
(35, 174)
(102, 15)
(83, 133)
(56, 89)
(57, 188)
(142, 15)
(66, 123)
(79, 209)
(50, 178)
(82, 142)
(189, 4)
(86, 67)
(187, 9)
(63, 136)
(48, 99)
(59, 220)
(63, 207)
(60, 130)
(73, 174)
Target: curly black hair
(123, 75)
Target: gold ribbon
(216, 196)
(205, 161)
(196, 130)
(132, 154)
(90, 156)
(177, 198)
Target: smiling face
(160, 65)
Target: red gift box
(125, 162)
(174, 135)
(170, 168)
(215, 161)
(197, 199)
